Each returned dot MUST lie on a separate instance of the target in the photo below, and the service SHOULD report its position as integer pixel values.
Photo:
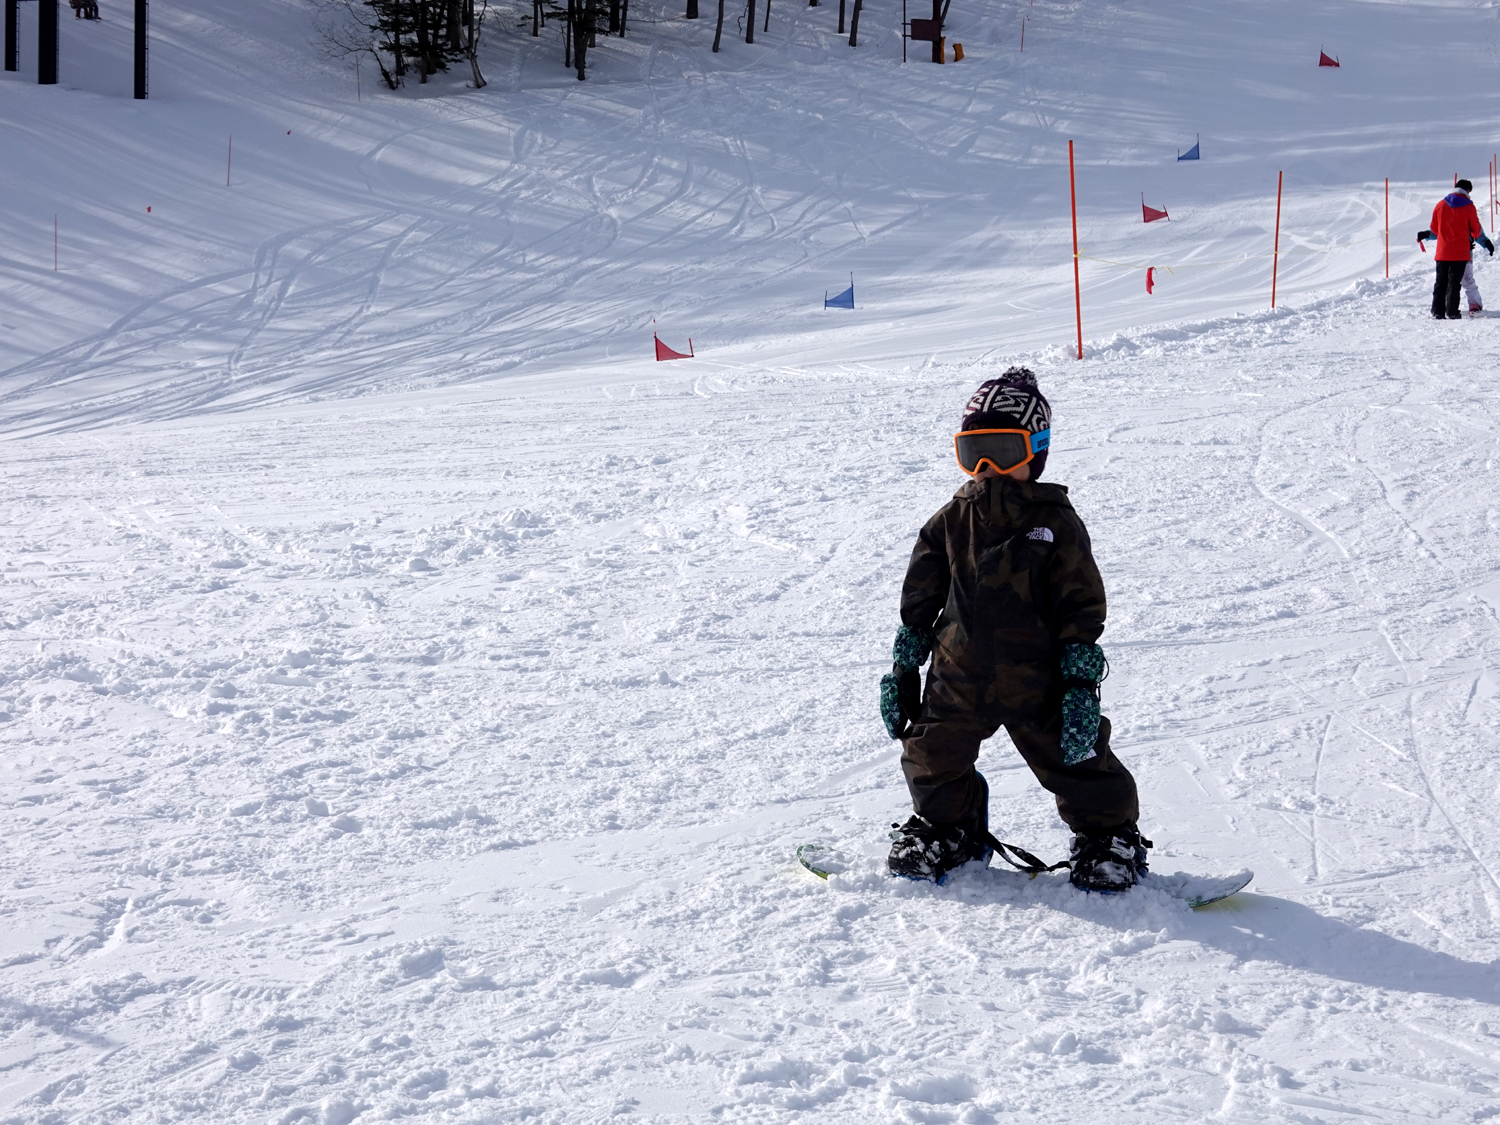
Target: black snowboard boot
(1111, 859)
(921, 849)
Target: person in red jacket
(1455, 221)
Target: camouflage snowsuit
(1005, 574)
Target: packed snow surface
(412, 695)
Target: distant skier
(1455, 225)
(1471, 286)
(1003, 592)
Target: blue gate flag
(1190, 154)
(844, 300)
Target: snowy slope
(440, 753)
(537, 227)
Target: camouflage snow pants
(938, 759)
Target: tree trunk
(424, 43)
(750, 23)
(568, 35)
(853, 22)
(719, 31)
(386, 76)
(398, 56)
(581, 10)
(692, 9)
(624, 16)
(614, 15)
(455, 25)
(841, 15)
(471, 48)
(767, 25)
(536, 18)
(937, 40)
(590, 17)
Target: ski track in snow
(509, 829)
(384, 738)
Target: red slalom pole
(1077, 291)
(1387, 227)
(1276, 247)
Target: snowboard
(1195, 890)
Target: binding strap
(1024, 860)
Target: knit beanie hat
(1011, 402)
(1464, 186)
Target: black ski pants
(938, 760)
(1445, 291)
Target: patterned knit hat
(1011, 402)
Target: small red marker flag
(1151, 214)
(1150, 278)
(1324, 60)
(664, 352)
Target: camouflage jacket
(1006, 575)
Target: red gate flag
(664, 352)
(1151, 214)
(1324, 60)
(1150, 278)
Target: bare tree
(424, 33)
(455, 25)
(474, 20)
(349, 27)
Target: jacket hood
(1457, 199)
(1004, 500)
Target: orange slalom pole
(1077, 291)
(1387, 227)
(1276, 247)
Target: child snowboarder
(1003, 593)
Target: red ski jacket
(1456, 224)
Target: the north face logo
(1042, 533)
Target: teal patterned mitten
(890, 704)
(901, 687)
(912, 647)
(1083, 666)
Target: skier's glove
(1422, 235)
(1487, 244)
(901, 687)
(1083, 666)
(912, 647)
(900, 699)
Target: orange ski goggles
(1002, 450)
